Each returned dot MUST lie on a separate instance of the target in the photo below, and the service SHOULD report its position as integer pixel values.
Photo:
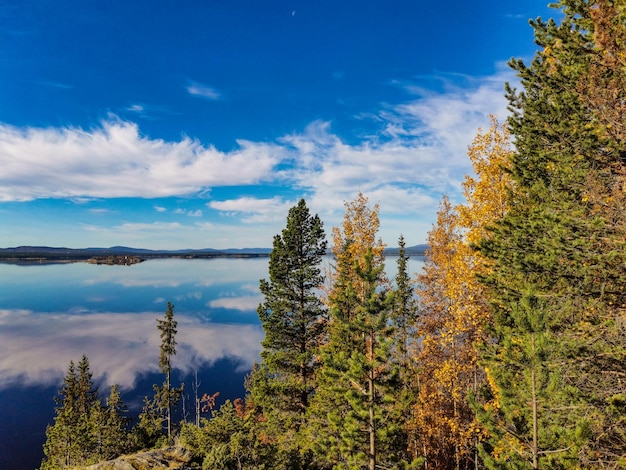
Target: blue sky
(194, 124)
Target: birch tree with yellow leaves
(442, 426)
(454, 310)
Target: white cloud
(190, 213)
(160, 209)
(148, 111)
(119, 346)
(253, 210)
(114, 160)
(156, 226)
(244, 304)
(135, 108)
(203, 91)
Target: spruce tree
(404, 319)
(168, 396)
(72, 439)
(60, 445)
(294, 320)
(113, 428)
(405, 312)
(159, 409)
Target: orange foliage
(208, 401)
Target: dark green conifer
(558, 266)
(294, 320)
(76, 437)
(167, 395)
(159, 409)
(404, 316)
(352, 413)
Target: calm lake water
(51, 314)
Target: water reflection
(120, 346)
(55, 313)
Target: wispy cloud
(203, 91)
(421, 151)
(147, 111)
(100, 211)
(142, 227)
(53, 84)
(136, 108)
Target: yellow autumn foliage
(358, 233)
(454, 307)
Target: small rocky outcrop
(174, 458)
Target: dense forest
(508, 351)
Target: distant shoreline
(113, 256)
(29, 258)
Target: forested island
(508, 351)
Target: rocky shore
(172, 458)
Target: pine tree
(404, 318)
(113, 428)
(354, 401)
(557, 257)
(294, 320)
(60, 446)
(404, 314)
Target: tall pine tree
(354, 405)
(160, 408)
(168, 395)
(558, 258)
(294, 320)
(353, 422)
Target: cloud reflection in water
(120, 346)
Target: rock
(174, 457)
